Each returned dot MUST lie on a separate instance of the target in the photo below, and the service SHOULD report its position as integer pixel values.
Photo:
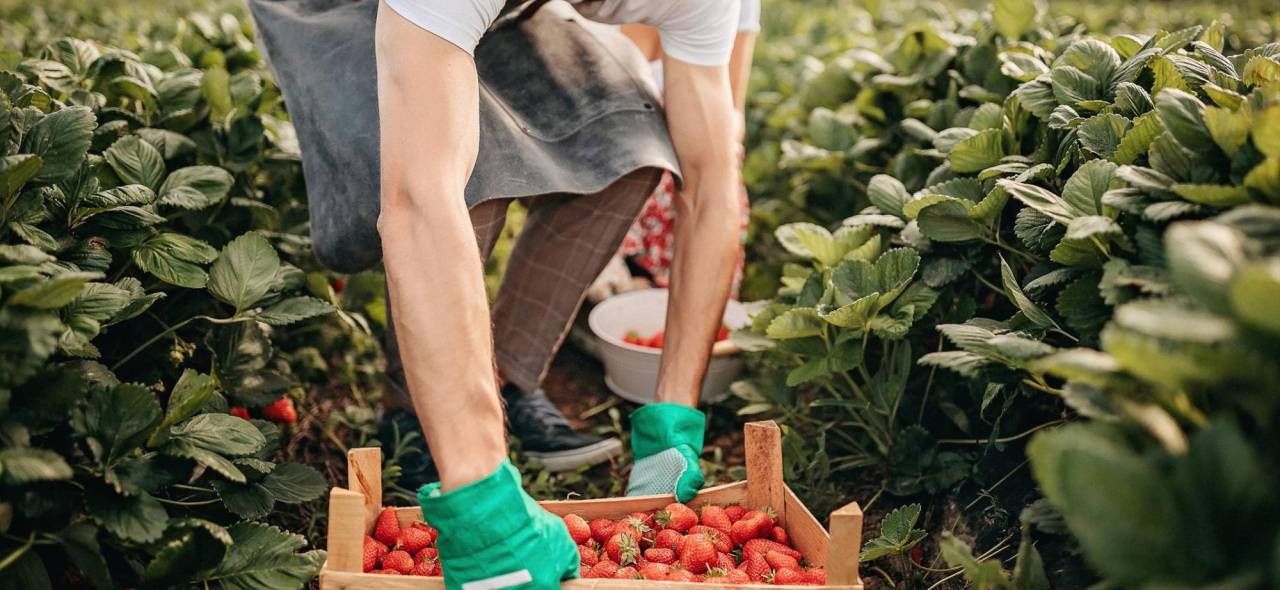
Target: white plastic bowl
(631, 371)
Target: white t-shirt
(700, 32)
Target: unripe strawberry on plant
(579, 530)
(281, 411)
(387, 528)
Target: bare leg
(429, 108)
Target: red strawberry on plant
(602, 529)
(579, 530)
(716, 518)
(734, 512)
(602, 569)
(667, 539)
(587, 556)
(239, 412)
(660, 555)
(917, 554)
(373, 551)
(676, 516)
(697, 554)
(281, 411)
(387, 529)
(781, 560)
(398, 560)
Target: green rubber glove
(666, 440)
(493, 535)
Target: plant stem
(18, 553)
(171, 330)
(982, 441)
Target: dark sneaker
(416, 467)
(546, 436)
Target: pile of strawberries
(659, 338)
(720, 544)
(401, 551)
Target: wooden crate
(353, 510)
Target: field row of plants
(1009, 229)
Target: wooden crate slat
(364, 475)
(846, 543)
(807, 534)
(765, 486)
(346, 530)
(331, 580)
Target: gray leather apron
(565, 107)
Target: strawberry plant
(141, 295)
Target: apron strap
(515, 12)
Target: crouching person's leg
(565, 242)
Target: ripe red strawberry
(373, 551)
(917, 554)
(626, 573)
(721, 540)
(754, 524)
(715, 517)
(676, 516)
(780, 535)
(426, 567)
(697, 554)
(781, 560)
(339, 283)
(602, 529)
(788, 577)
(725, 561)
(386, 572)
(645, 517)
(387, 528)
(667, 539)
(764, 546)
(736, 576)
(579, 530)
(734, 512)
(756, 567)
(398, 560)
(428, 554)
(281, 411)
(414, 539)
(430, 530)
(587, 556)
(660, 555)
(239, 412)
(602, 569)
(681, 575)
(632, 526)
(622, 548)
(655, 571)
(816, 576)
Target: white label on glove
(499, 582)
